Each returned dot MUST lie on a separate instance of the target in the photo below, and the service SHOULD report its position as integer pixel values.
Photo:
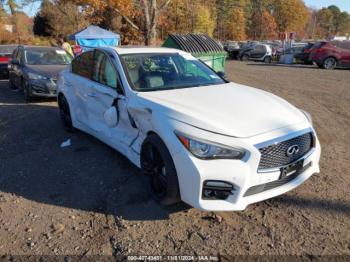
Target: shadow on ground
(87, 175)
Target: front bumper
(43, 88)
(243, 174)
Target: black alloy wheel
(157, 164)
(330, 63)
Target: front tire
(27, 92)
(11, 84)
(244, 58)
(330, 63)
(157, 163)
(268, 60)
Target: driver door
(104, 91)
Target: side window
(259, 49)
(82, 65)
(104, 72)
(345, 45)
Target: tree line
(150, 21)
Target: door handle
(92, 94)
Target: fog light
(213, 189)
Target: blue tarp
(94, 36)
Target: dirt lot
(87, 199)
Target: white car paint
(228, 114)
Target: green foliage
(331, 21)
(58, 18)
(205, 22)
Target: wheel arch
(331, 56)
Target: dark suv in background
(329, 55)
(35, 70)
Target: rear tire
(330, 63)
(157, 163)
(65, 113)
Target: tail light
(4, 59)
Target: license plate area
(292, 169)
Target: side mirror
(221, 74)
(111, 116)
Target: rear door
(82, 67)
(105, 91)
(258, 52)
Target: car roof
(145, 50)
(39, 47)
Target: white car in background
(213, 144)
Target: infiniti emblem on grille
(292, 150)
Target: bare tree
(152, 10)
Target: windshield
(41, 56)
(152, 72)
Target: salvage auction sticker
(172, 258)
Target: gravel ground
(87, 199)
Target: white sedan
(213, 144)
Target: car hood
(50, 71)
(229, 109)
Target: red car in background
(329, 55)
(5, 56)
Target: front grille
(271, 185)
(275, 155)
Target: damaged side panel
(142, 118)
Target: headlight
(208, 150)
(34, 76)
(308, 116)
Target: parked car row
(325, 54)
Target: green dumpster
(200, 46)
